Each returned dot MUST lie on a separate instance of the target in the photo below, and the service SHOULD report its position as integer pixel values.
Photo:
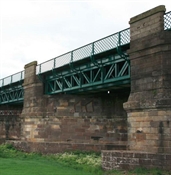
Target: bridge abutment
(149, 103)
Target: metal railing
(167, 21)
(12, 79)
(99, 46)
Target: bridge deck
(91, 67)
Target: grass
(11, 166)
(14, 162)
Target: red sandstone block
(139, 136)
(143, 161)
(124, 166)
(117, 154)
(105, 154)
(168, 157)
(157, 162)
(125, 160)
(154, 124)
(79, 130)
(29, 123)
(40, 126)
(141, 155)
(128, 155)
(167, 149)
(154, 130)
(156, 156)
(152, 136)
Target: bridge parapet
(11, 89)
(17, 77)
(110, 42)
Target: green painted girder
(11, 90)
(11, 95)
(108, 71)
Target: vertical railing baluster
(92, 49)
(54, 63)
(40, 68)
(119, 38)
(72, 56)
(21, 76)
(11, 78)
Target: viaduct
(112, 95)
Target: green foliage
(88, 163)
(8, 151)
(16, 166)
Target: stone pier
(149, 104)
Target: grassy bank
(14, 162)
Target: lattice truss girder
(11, 95)
(107, 70)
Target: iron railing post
(54, 63)
(92, 49)
(119, 39)
(39, 68)
(72, 56)
(11, 78)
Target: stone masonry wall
(132, 159)
(150, 131)
(10, 126)
(10, 122)
(79, 120)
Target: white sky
(38, 30)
